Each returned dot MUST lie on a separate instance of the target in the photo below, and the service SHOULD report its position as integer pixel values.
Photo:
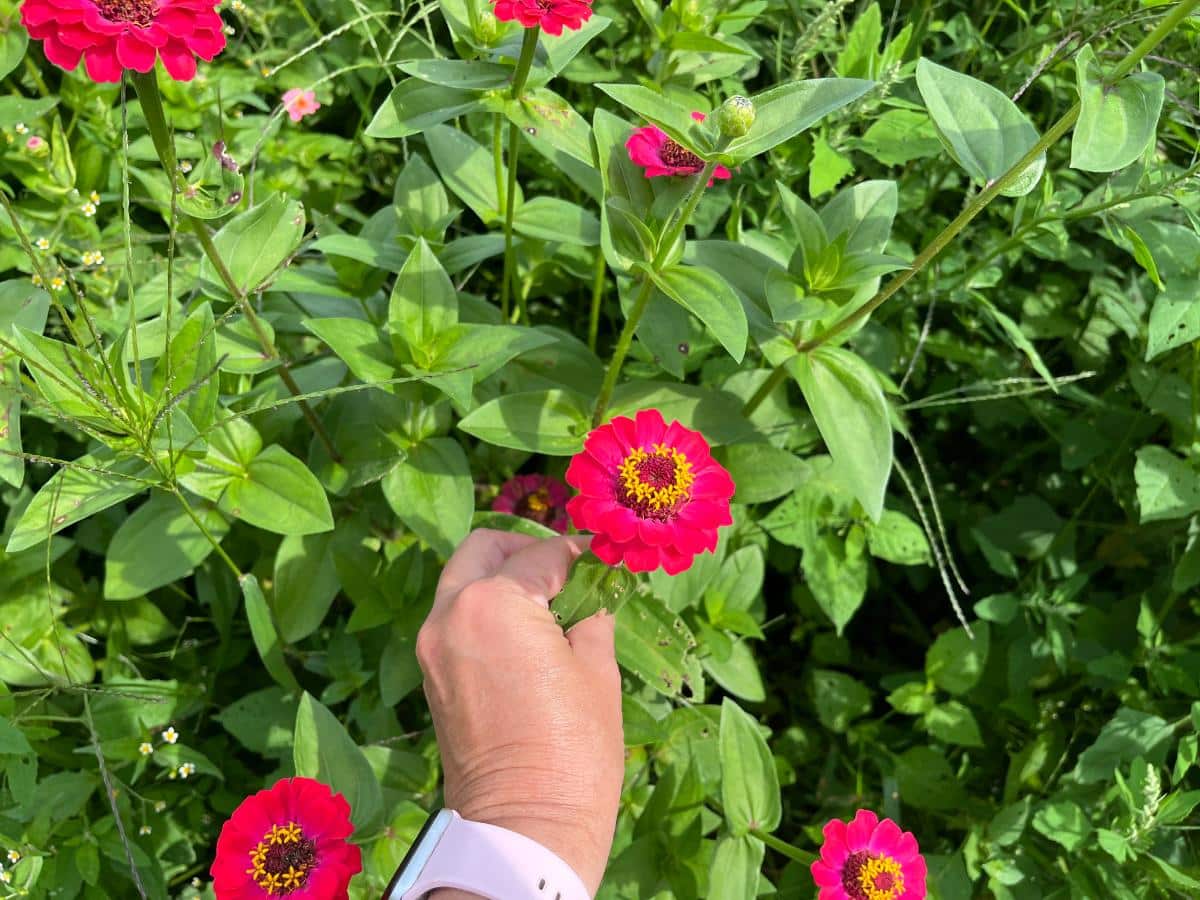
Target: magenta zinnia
(114, 35)
(869, 859)
(651, 492)
(539, 498)
(552, 15)
(660, 155)
(289, 842)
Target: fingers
(479, 556)
(593, 641)
(539, 570)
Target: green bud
(488, 28)
(736, 116)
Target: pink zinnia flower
(552, 15)
(658, 154)
(869, 860)
(114, 35)
(540, 498)
(290, 841)
(300, 103)
(651, 492)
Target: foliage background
(1051, 755)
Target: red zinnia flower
(289, 842)
(658, 154)
(651, 492)
(869, 860)
(540, 498)
(552, 15)
(114, 35)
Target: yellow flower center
(655, 484)
(870, 877)
(538, 501)
(283, 859)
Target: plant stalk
(666, 242)
(1057, 131)
(803, 857)
(520, 77)
(146, 85)
(597, 299)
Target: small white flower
(196, 882)
(42, 244)
(36, 279)
(145, 829)
(145, 748)
(237, 6)
(170, 735)
(14, 857)
(21, 128)
(186, 770)
(57, 284)
(6, 877)
(94, 197)
(88, 209)
(185, 167)
(160, 806)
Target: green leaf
(1128, 735)
(857, 58)
(836, 572)
(591, 586)
(839, 699)
(467, 170)
(734, 871)
(358, 344)
(13, 41)
(1167, 487)
(864, 213)
(786, 110)
(557, 221)
(738, 673)
(255, 243)
(708, 297)
(668, 115)
(654, 645)
(12, 739)
(158, 545)
(266, 637)
(306, 584)
(749, 783)
(547, 120)
(277, 493)
(985, 132)
(912, 699)
(761, 471)
(464, 75)
(423, 302)
(955, 661)
(415, 106)
(562, 49)
(552, 422)
(844, 397)
(433, 493)
(324, 751)
(953, 723)
(898, 539)
(899, 136)
(188, 369)
(420, 200)
(1065, 823)
(90, 485)
(829, 168)
(24, 109)
(1174, 319)
(1117, 122)
(927, 782)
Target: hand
(528, 719)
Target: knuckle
(428, 647)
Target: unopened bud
(487, 29)
(736, 116)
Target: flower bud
(487, 29)
(736, 116)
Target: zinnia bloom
(289, 841)
(552, 15)
(114, 35)
(540, 498)
(651, 492)
(659, 155)
(869, 860)
(300, 103)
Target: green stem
(597, 298)
(146, 85)
(803, 857)
(666, 242)
(524, 65)
(981, 201)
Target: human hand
(528, 719)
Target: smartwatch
(492, 862)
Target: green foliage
(242, 426)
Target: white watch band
(492, 862)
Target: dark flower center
(655, 484)
(537, 506)
(283, 860)
(867, 876)
(675, 154)
(135, 12)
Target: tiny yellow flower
(21, 128)
(42, 244)
(88, 209)
(145, 829)
(265, 72)
(14, 857)
(146, 748)
(94, 197)
(186, 770)
(57, 284)
(170, 735)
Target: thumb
(593, 641)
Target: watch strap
(496, 864)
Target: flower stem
(666, 243)
(146, 85)
(803, 857)
(524, 65)
(597, 298)
(1057, 131)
